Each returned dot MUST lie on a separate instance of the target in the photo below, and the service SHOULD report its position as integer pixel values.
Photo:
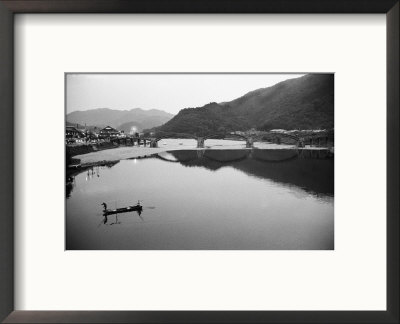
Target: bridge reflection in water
(311, 170)
(208, 200)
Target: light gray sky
(168, 92)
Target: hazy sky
(168, 92)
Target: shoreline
(116, 154)
(113, 155)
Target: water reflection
(205, 199)
(115, 220)
(70, 183)
(311, 170)
(91, 172)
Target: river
(234, 199)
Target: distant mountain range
(120, 119)
(301, 103)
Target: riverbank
(116, 154)
(129, 152)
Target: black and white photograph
(199, 161)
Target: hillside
(302, 103)
(104, 116)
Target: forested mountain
(302, 103)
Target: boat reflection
(118, 222)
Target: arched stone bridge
(275, 137)
(249, 139)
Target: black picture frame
(8, 8)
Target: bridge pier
(154, 143)
(249, 143)
(200, 142)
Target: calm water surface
(208, 199)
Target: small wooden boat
(128, 209)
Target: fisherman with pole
(104, 212)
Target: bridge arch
(249, 139)
(279, 155)
(276, 136)
(157, 156)
(223, 156)
(159, 137)
(225, 136)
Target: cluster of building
(75, 135)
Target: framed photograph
(131, 169)
(213, 162)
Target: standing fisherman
(104, 212)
